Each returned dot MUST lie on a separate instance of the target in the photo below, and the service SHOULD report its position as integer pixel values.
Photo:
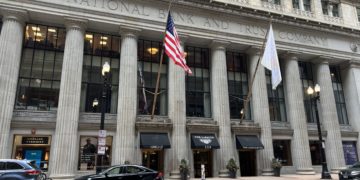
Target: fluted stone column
(260, 112)
(297, 117)
(125, 138)
(351, 84)
(64, 147)
(220, 107)
(177, 114)
(329, 119)
(11, 39)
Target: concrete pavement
(282, 177)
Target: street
(282, 177)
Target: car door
(2, 169)
(114, 173)
(134, 173)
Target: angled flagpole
(159, 71)
(247, 99)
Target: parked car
(126, 172)
(352, 172)
(18, 170)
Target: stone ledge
(245, 126)
(351, 134)
(144, 123)
(201, 125)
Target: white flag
(270, 59)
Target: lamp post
(316, 98)
(101, 147)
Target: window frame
(339, 95)
(307, 79)
(277, 101)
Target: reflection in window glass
(98, 49)
(339, 94)
(282, 151)
(88, 150)
(350, 153)
(307, 5)
(315, 151)
(40, 68)
(237, 84)
(306, 76)
(148, 66)
(276, 100)
(198, 99)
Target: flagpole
(159, 70)
(247, 99)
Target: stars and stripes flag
(270, 59)
(172, 45)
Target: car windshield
(356, 165)
(32, 164)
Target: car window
(32, 165)
(357, 165)
(2, 165)
(115, 170)
(133, 169)
(122, 170)
(13, 165)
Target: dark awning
(204, 141)
(248, 142)
(154, 140)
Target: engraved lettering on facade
(162, 14)
(216, 23)
(255, 30)
(85, 1)
(302, 38)
(112, 5)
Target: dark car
(352, 172)
(126, 172)
(18, 170)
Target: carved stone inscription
(197, 20)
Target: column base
(224, 173)
(267, 172)
(175, 175)
(305, 171)
(62, 177)
(336, 170)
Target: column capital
(75, 23)
(324, 59)
(129, 31)
(20, 16)
(219, 44)
(290, 55)
(253, 50)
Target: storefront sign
(35, 140)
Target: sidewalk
(282, 177)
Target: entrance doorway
(153, 159)
(247, 159)
(202, 156)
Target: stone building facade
(52, 51)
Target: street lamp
(102, 134)
(316, 98)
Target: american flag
(172, 45)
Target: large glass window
(358, 13)
(335, 10)
(148, 66)
(0, 26)
(315, 152)
(339, 94)
(198, 99)
(306, 75)
(350, 153)
(237, 83)
(40, 68)
(282, 151)
(307, 5)
(295, 4)
(98, 49)
(276, 100)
